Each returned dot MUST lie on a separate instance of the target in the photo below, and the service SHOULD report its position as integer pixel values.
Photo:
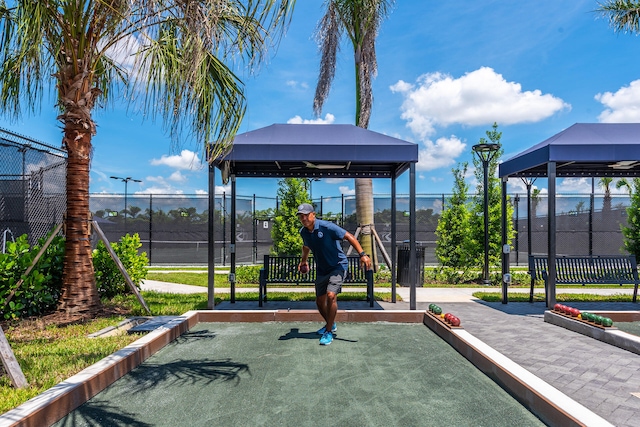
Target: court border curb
(546, 402)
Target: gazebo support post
(211, 254)
(413, 276)
(394, 242)
(232, 245)
(506, 252)
(550, 292)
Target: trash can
(403, 276)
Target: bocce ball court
(266, 367)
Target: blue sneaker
(322, 330)
(326, 339)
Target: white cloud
(335, 180)
(123, 52)
(574, 185)
(516, 185)
(187, 160)
(344, 189)
(161, 185)
(160, 189)
(297, 85)
(297, 120)
(219, 189)
(480, 97)
(442, 153)
(622, 106)
(178, 177)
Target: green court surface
(629, 327)
(276, 373)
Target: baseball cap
(305, 208)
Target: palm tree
(629, 185)
(623, 15)
(605, 182)
(360, 20)
(535, 201)
(82, 48)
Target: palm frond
(328, 36)
(623, 15)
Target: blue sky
(446, 72)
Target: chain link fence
(174, 228)
(32, 187)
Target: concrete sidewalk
(431, 295)
(597, 375)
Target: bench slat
(284, 269)
(594, 270)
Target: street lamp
(308, 182)
(486, 153)
(126, 182)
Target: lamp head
(485, 151)
(485, 148)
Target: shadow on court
(295, 333)
(276, 373)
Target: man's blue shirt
(325, 243)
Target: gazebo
(315, 151)
(582, 150)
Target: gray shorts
(331, 282)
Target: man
(324, 238)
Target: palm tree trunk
(79, 292)
(364, 215)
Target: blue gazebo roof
(585, 150)
(291, 150)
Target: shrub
(247, 274)
(383, 275)
(109, 280)
(41, 289)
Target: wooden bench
(586, 270)
(284, 269)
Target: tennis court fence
(174, 228)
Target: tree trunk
(364, 215)
(79, 292)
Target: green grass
(50, 354)
(194, 279)
(221, 280)
(181, 268)
(520, 297)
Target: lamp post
(126, 182)
(486, 153)
(308, 182)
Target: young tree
(631, 231)
(360, 20)
(452, 246)
(83, 50)
(286, 226)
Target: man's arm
(365, 261)
(305, 256)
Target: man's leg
(331, 308)
(321, 303)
